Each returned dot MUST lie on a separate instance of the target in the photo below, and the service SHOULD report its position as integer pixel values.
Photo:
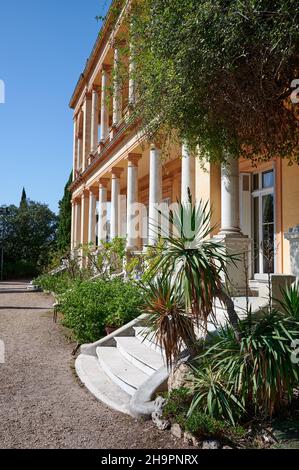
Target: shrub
(204, 426)
(198, 423)
(256, 374)
(58, 283)
(178, 402)
(87, 308)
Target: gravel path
(42, 404)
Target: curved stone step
(147, 337)
(139, 355)
(123, 373)
(100, 385)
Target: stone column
(293, 237)
(75, 148)
(73, 226)
(77, 224)
(102, 222)
(188, 175)
(86, 130)
(234, 242)
(79, 153)
(115, 194)
(104, 106)
(230, 198)
(84, 217)
(155, 194)
(94, 119)
(117, 97)
(92, 217)
(132, 199)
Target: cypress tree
(23, 202)
(65, 218)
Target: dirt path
(42, 404)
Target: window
(268, 179)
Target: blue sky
(44, 46)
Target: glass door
(263, 222)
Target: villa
(117, 175)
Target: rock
(211, 444)
(268, 439)
(157, 416)
(176, 431)
(188, 438)
(196, 442)
(159, 404)
(191, 440)
(226, 447)
(162, 424)
(181, 376)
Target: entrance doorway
(263, 222)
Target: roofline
(82, 79)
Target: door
(263, 221)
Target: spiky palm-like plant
(195, 262)
(167, 318)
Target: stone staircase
(117, 366)
(124, 369)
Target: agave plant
(167, 319)
(195, 262)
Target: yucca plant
(214, 394)
(167, 319)
(290, 301)
(195, 262)
(259, 368)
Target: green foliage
(256, 374)
(87, 308)
(109, 256)
(57, 283)
(290, 302)
(218, 74)
(198, 423)
(192, 261)
(165, 307)
(214, 395)
(23, 202)
(178, 403)
(204, 426)
(29, 237)
(65, 219)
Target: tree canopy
(29, 237)
(218, 74)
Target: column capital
(116, 172)
(76, 200)
(95, 89)
(103, 182)
(155, 146)
(93, 190)
(88, 95)
(118, 43)
(106, 68)
(134, 158)
(85, 193)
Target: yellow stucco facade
(115, 166)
